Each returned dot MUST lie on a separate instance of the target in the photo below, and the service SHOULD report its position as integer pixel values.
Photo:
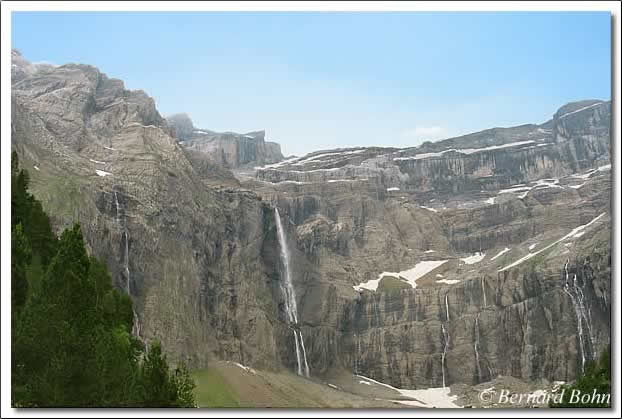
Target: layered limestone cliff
(452, 262)
(195, 252)
(490, 213)
(228, 149)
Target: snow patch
(110, 148)
(475, 258)
(579, 110)
(464, 150)
(36, 168)
(410, 276)
(393, 189)
(531, 247)
(333, 386)
(490, 200)
(98, 162)
(429, 209)
(334, 154)
(504, 251)
(431, 397)
(430, 251)
(279, 164)
(540, 184)
(575, 233)
(103, 173)
(584, 175)
(448, 281)
(345, 180)
(245, 368)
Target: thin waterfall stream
(126, 259)
(289, 293)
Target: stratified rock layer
(515, 222)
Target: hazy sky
(325, 80)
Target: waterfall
(304, 353)
(446, 336)
(358, 355)
(126, 259)
(289, 294)
(116, 201)
(483, 291)
(297, 353)
(445, 346)
(575, 292)
(126, 251)
(136, 326)
(476, 348)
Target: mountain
(453, 262)
(227, 149)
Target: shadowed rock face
(155, 199)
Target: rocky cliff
(194, 251)
(481, 224)
(228, 149)
(452, 262)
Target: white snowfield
(431, 397)
(475, 258)
(464, 150)
(574, 234)
(97, 161)
(504, 251)
(394, 188)
(103, 173)
(410, 276)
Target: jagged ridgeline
(454, 262)
(71, 340)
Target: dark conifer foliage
(71, 339)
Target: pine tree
(21, 255)
(71, 330)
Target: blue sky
(324, 80)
